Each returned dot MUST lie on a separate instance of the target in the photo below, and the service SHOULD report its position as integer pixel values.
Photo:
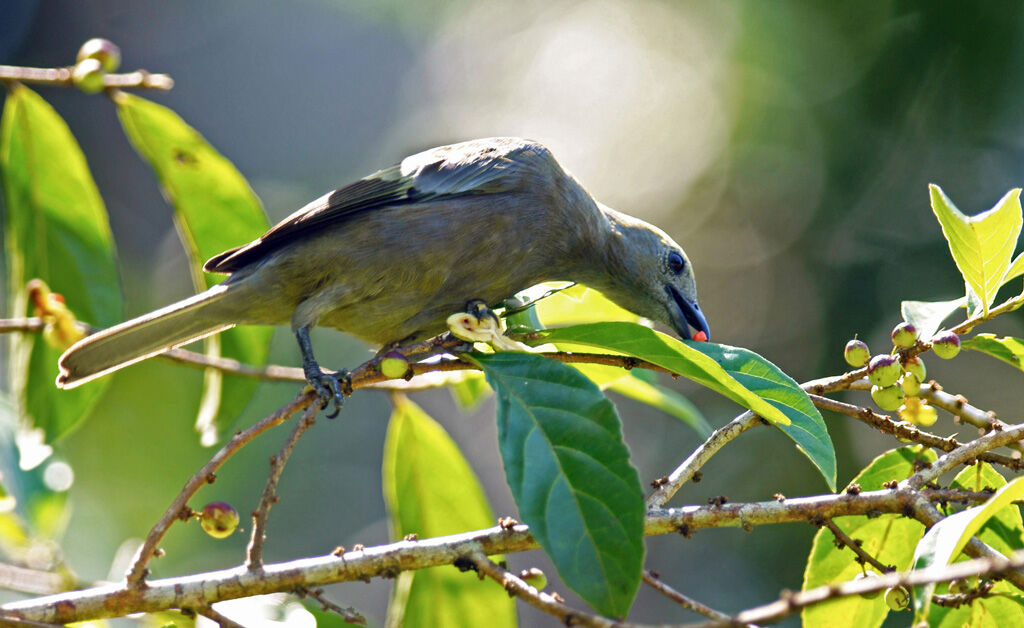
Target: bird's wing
(476, 167)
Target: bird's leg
(331, 387)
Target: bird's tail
(145, 336)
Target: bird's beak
(686, 314)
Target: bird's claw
(331, 387)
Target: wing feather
(477, 167)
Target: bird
(389, 257)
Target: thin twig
(682, 599)
(686, 470)
(348, 615)
(213, 615)
(137, 572)
(958, 406)
(843, 539)
(791, 603)
(906, 431)
(965, 453)
(254, 553)
(551, 604)
(61, 77)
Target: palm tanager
(389, 257)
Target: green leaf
(1007, 348)
(430, 490)
(947, 538)
(889, 538)
(664, 399)
(580, 304)
(469, 390)
(56, 230)
(569, 471)
(738, 374)
(215, 209)
(983, 244)
(927, 316)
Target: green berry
(911, 384)
(394, 365)
(898, 598)
(534, 577)
(946, 345)
(904, 335)
(103, 50)
(219, 519)
(916, 366)
(856, 353)
(867, 575)
(887, 398)
(883, 370)
(88, 76)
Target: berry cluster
(896, 380)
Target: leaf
(1016, 269)
(469, 390)
(1007, 348)
(215, 209)
(947, 538)
(57, 230)
(890, 538)
(664, 399)
(430, 490)
(983, 244)
(1004, 531)
(738, 374)
(580, 304)
(928, 316)
(570, 475)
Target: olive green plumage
(389, 257)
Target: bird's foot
(330, 386)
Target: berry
(534, 577)
(867, 575)
(88, 76)
(219, 519)
(911, 384)
(887, 398)
(883, 370)
(946, 345)
(700, 336)
(394, 365)
(103, 50)
(904, 335)
(898, 598)
(856, 353)
(916, 366)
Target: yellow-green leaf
(215, 209)
(56, 230)
(981, 245)
(430, 490)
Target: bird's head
(650, 275)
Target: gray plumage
(389, 257)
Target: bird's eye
(676, 263)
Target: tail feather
(135, 340)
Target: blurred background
(786, 145)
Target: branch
(965, 453)
(349, 615)
(690, 604)
(689, 467)
(205, 475)
(843, 539)
(550, 603)
(254, 554)
(790, 603)
(906, 431)
(61, 77)
(200, 590)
